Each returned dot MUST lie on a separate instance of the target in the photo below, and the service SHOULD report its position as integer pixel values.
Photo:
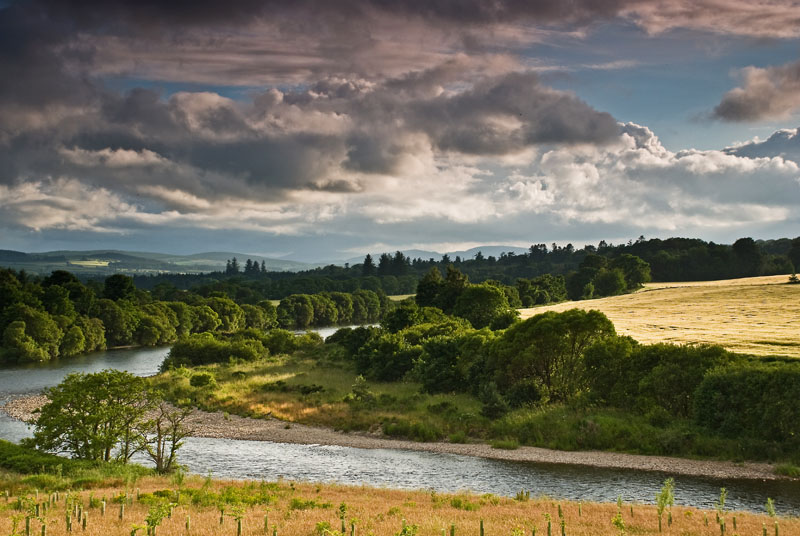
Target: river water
(396, 468)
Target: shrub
(202, 379)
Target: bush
(755, 399)
(202, 379)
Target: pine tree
(368, 268)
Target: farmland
(757, 316)
(201, 506)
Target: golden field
(297, 509)
(758, 315)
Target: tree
(794, 253)
(163, 433)
(609, 282)
(481, 304)
(119, 287)
(549, 349)
(368, 267)
(748, 257)
(88, 415)
(429, 287)
(636, 270)
(231, 315)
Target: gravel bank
(218, 425)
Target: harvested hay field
(758, 315)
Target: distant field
(92, 263)
(400, 297)
(758, 315)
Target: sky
(320, 130)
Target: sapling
(770, 507)
(665, 498)
(549, 530)
(618, 522)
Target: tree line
(672, 259)
(575, 359)
(47, 318)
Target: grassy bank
(320, 391)
(180, 505)
(756, 315)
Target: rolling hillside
(758, 315)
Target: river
(396, 468)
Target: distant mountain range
(103, 262)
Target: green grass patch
(505, 444)
(787, 469)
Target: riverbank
(220, 425)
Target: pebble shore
(219, 425)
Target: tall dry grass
(380, 512)
(759, 315)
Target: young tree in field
(162, 434)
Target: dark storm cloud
(767, 93)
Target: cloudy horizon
(318, 130)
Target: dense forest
(46, 318)
(673, 259)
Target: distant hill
(105, 262)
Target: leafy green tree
(366, 307)
(344, 306)
(387, 357)
(231, 315)
(635, 270)
(119, 287)
(270, 313)
(206, 319)
(89, 415)
(749, 258)
(93, 333)
(549, 348)
(794, 253)
(118, 322)
(73, 343)
(254, 316)
(481, 304)
(296, 311)
(18, 347)
(454, 284)
(609, 282)
(56, 301)
(39, 326)
(429, 287)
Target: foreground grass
(755, 316)
(212, 508)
